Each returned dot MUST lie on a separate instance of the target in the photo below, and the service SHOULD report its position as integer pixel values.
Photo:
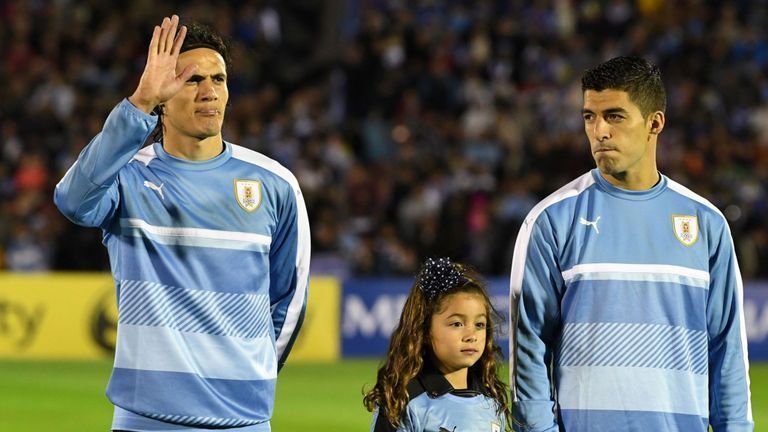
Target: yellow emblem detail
(248, 194)
(686, 228)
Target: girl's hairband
(438, 276)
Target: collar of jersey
(633, 195)
(436, 385)
(194, 165)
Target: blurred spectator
(415, 128)
(26, 252)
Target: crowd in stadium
(415, 128)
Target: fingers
(179, 40)
(164, 30)
(166, 40)
(153, 44)
(187, 73)
(174, 24)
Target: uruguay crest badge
(248, 194)
(686, 229)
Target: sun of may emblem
(686, 229)
(248, 194)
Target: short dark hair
(202, 36)
(637, 76)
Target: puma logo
(156, 188)
(593, 223)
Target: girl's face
(457, 332)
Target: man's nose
(602, 130)
(206, 90)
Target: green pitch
(69, 396)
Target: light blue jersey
(211, 264)
(434, 406)
(628, 313)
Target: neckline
(627, 194)
(191, 165)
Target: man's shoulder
(558, 200)
(702, 204)
(265, 163)
(571, 189)
(145, 155)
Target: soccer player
(626, 294)
(440, 373)
(208, 243)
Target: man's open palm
(159, 82)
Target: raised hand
(159, 81)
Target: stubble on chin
(605, 165)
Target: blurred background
(415, 127)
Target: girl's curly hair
(410, 345)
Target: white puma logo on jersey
(156, 188)
(593, 223)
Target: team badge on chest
(686, 229)
(248, 194)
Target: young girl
(440, 371)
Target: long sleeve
(88, 193)
(729, 402)
(536, 286)
(289, 273)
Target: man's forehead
(203, 57)
(608, 98)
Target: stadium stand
(415, 128)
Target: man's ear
(656, 123)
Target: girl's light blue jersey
(211, 264)
(628, 313)
(448, 412)
(434, 406)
